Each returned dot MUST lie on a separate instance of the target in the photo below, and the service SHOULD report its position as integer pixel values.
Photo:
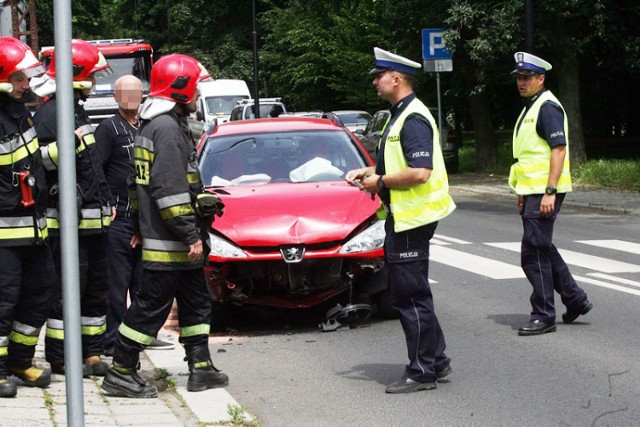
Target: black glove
(207, 204)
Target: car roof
(275, 124)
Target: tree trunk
(486, 146)
(569, 95)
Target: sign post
(436, 59)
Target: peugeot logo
(292, 254)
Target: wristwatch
(550, 190)
(381, 183)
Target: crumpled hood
(301, 213)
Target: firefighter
(26, 287)
(95, 210)
(173, 218)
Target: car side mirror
(199, 116)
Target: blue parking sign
(433, 44)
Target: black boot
(7, 388)
(202, 374)
(122, 379)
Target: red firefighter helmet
(16, 56)
(86, 60)
(174, 77)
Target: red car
(294, 233)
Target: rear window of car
(291, 156)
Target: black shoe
(572, 315)
(407, 385)
(94, 366)
(204, 378)
(7, 388)
(125, 382)
(442, 374)
(59, 369)
(536, 327)
(32, 376)
(157, 344)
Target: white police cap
(528, 64)
(390, 61)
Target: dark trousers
(94, 287)
(27, 285)
(125, 274)
(150, 309)
(407, 261)
(542, 263)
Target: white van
(217, 99)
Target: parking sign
(433, 44)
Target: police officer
(26, 284)
(540, 177)
(411, 181)
(94, 212)
(174, 218)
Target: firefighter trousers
(152, 305)
(27, 286)
(94, 288)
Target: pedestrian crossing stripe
(615, 279)
(475, 263)
(607, 285)
(619, 245)
(578, 259)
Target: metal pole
(528, 25)
(68, 214)
(439, 108)
(256, 83)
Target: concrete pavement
(177, 407)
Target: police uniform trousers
(542, 263)
(94, 287)
(150, 309)
(407, 261)
(27, 286)
(125, 274)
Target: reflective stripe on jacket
(167, 181)
(423, 203)
(530, 174)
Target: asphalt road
(285, 372)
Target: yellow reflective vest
(425, 203)
(530, 174)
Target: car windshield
(222, 105)
(291, 156)
(354, 118)
(137, 66)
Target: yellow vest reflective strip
(190, 331)
(134, 335)
(55, 329)
(22, 228)
(425, 203)
(530, 175)
(18, 148)
(92, 219)
(168, 251)
(144, 149)
(50, 156)
(93, 330)
(175, 205)
(88, 138)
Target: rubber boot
(7, 388)
(95, 366)
(122, 379)
(32, 376)
(58, 368)
(202, 374)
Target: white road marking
(475, 264)
(451, 239)
(590, 262)
(439, 242)
(615, 279)
(607, 285)
(618, 245)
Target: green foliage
(617, 174)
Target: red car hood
(277, 214)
